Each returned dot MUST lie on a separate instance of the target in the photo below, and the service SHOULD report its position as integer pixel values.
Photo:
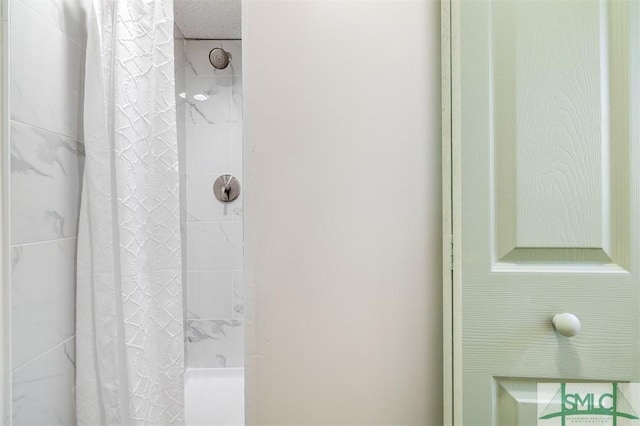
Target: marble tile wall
(48, 40)
(47, 51)
(213, 230)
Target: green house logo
(588, 404)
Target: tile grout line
(56, 346)
(42, 242)
(55, 27)
(78, 140)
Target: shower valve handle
(226, 188)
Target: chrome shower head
(219, 58)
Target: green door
(548, 106)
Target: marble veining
(213, 230)
(46, 180)
(197, 114)
(47, 76)
(43, 390)
(236, 100)
(47, 62)
(215, 343)
(68, 16)
(238, 294)
(209, 100)
(42, 297)
(210, 329)
(214, 246)
(57, 222)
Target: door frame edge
(452, 213)
(5, 264)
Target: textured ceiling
(208, 19)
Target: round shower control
(226, 188)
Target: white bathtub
(214, 396)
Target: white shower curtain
(130, 352)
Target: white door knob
(566, 324)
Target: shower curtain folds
(129, 325)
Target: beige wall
(343, 213)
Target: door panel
(549, 122)
(561, 142)
(549, 196)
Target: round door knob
(566, 324)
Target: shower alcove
(209, 118)
(44, 54)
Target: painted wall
(343, 212)
(213, 242)
(47, 51)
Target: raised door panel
(560, 140)
(549, 165)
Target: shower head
(219, 58)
